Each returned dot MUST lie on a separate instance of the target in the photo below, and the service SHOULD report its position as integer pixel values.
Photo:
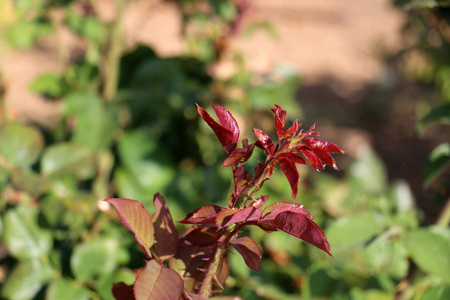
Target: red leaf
(156, 282)
(291, 173)
(203, 215)
(249, 250)
(227, 120)
(312, 158)
(122, 291)
(271, 211)
(234, 157)
(166, 235)
(325, 146)
(190, 262)
(264, 140)
(200, 237)
(225, 136)
(247, 214)
(301, 226)
(280, 119)
(136, 219)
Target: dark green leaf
(439, 114)
(437, 162)
(49, 85)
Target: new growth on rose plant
(194, 265)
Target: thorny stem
(205, 288)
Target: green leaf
(50, 85)
(26, 279)
(95, 257)
(20, 145)
(25, 33)
(437, 162)
(95, 121)
(67, 290)
(350, 232)
(23, 237)
(88, 27)
(368, 172)
(439, 114)
(68, 159)
(438, 292)
(429, 248)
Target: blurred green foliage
(58, 241)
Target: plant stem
(444, 217)
(205, 288)
(112, 61)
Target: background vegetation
(128, 127)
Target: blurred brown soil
(337, 46)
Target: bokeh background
(98, 100)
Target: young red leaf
(325, 146)
(136, 219)
(234, 157)
(264, 140)
(156, 282)
(270, 212)
(280, 119)
(166, 235)
(227, 120)
(203, 215)
(225, 216)
(224, 135)
(122, 291)
(301, 226)
(290, 171)
(247, 214)
(249, 250)
(313, 159)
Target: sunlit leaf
(225, 135)
(22, 236)
(439, 114)
(166, 235)
(93, 258)
(203, 215)
(20, 145)
(156, 282)
(26, 279)
(249, 250)
(227, 120)
(429, 248)
(264, 140)
(299, 225)
(65, 289)
(135, 218)
(247, 214)
(68, 159)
